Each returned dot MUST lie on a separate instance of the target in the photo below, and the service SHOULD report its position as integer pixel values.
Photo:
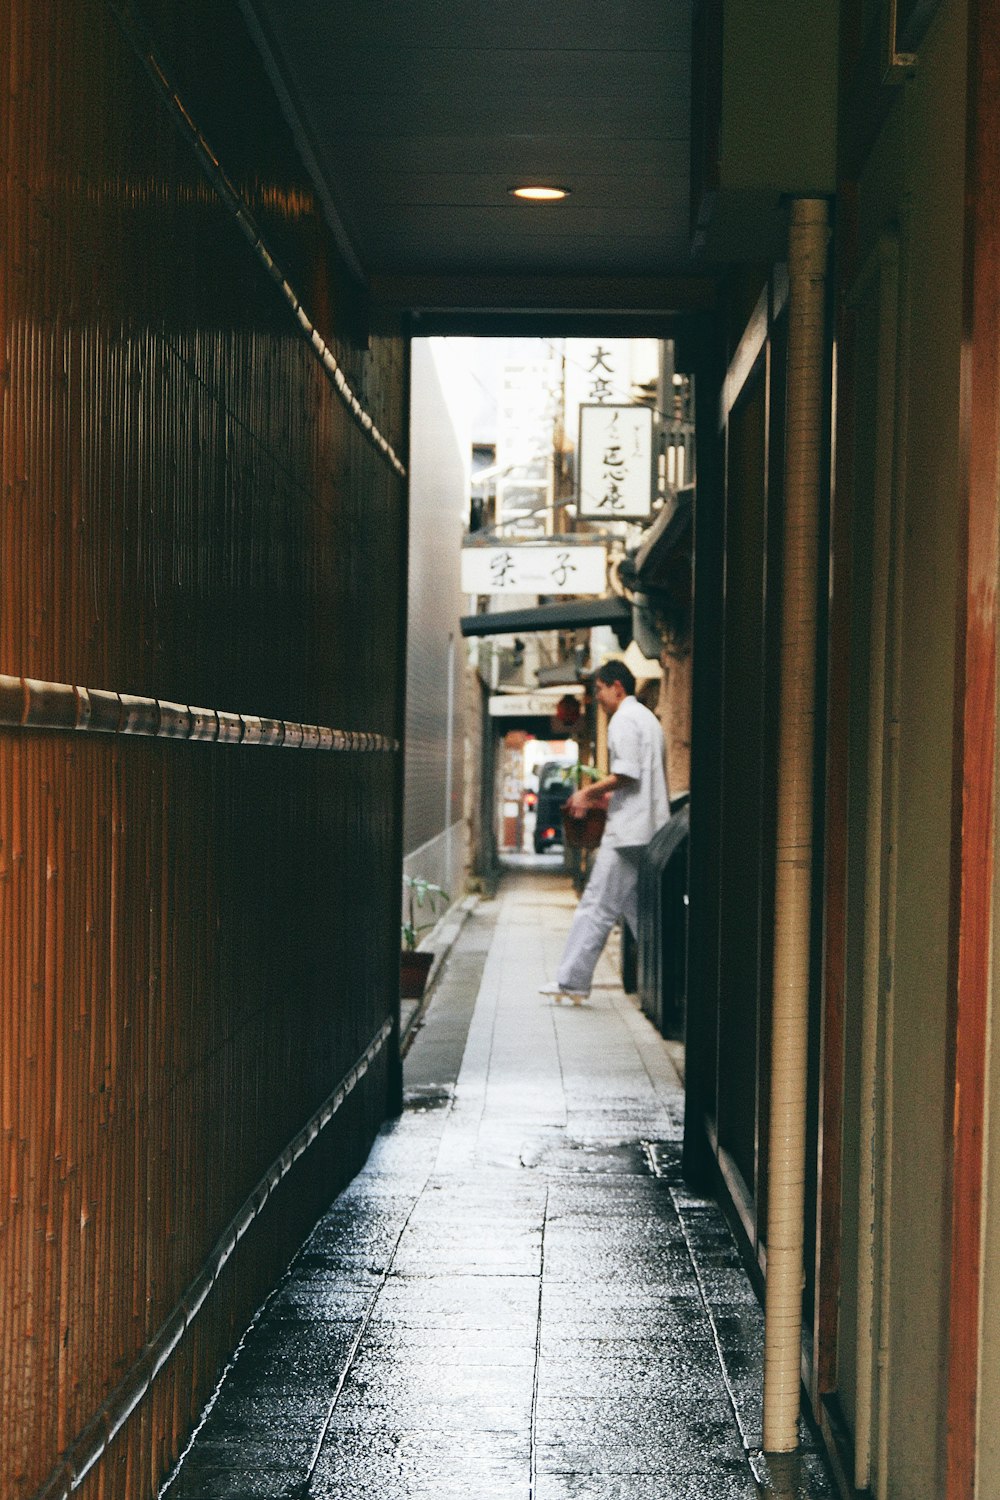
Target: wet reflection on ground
(518, 1296)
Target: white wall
(440, 456)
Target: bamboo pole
(808, 238)
(27, 703)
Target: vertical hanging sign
(616, 462)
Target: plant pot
(414, 968)
(585, 832)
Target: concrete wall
(434, 836)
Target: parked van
(555, 783)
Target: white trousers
(612, 893)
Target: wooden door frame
(975, 740)
(750, 366)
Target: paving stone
(257, 1413)
(475, 1303)
(433, 1411)
(366, 1475)
(240, 1484)
(386, 1384)
(417, 1450)
(603, 1376)
(444, 1348)
(323, 1297)
(735, 1485)
(696, 1460)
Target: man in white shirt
(638, 807)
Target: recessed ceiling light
(538, 194)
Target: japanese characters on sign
(532, 569)
(616, 462)
(521, 704)
(600, 372)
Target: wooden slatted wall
(196, 940)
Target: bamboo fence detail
(29, 704)
(243, 216)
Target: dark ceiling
(416, 118)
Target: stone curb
(439, 941)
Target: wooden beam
(975, 737)
(746, 357)
(829, 1207)
(610, 295)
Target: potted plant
(414, 966)
(585, 832)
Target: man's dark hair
(616, 671)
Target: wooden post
(975, 736)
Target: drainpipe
(807, 247)
(448, 771)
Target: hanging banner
(534, 570)
(616, 463)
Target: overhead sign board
(528, 705)
(616, 463)
(532, 569)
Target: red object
(568, 709)
(414, 968)
(530, 799)
(585, 832)
(550, 833)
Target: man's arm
(593, 795)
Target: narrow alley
(455, 459)
(517, 1296)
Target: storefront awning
(574, 614)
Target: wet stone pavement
(517, 1297)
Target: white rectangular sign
(529, 569)
(524, 705)
(616, 463)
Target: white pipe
(807, 249)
